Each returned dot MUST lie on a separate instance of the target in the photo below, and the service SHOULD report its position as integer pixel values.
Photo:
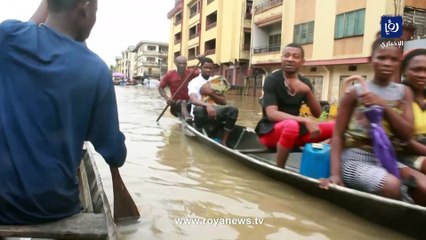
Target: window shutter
(311, 30)
(296, 34)
(359, 23)
(349, 24)
(338, 32)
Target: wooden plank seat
(79, 226)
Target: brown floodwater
(173, 178)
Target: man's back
(54, 94)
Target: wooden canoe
(244, 147)
(95, 221)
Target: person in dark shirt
(285, 91)
(54, 94)
(173, 79)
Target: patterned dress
(360, 167)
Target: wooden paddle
(181, 85)
(124, 206)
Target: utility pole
(160, 62)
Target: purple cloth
(382, 146)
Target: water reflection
(172, 177)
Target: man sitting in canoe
(55, 94)
(178, 80)
(285, 91)
(210, 112)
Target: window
(274, 43)
(209, 1)
(178, 38)
(164, 49)
(247, 40)
(416, 17)
(350, 24)
(211, 20)
(150, 59)
(343, 88)
(176, 54)
(152, 48)
(192, 53)
(304, 33)
(178, 18)
(210, 46)
(317, 83)
(194, 9)
(193, 31)
(249, 6)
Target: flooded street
(173, 178)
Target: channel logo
(391, 27)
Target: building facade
(150, 60)
(145, 60)
(335, 34)
(125, 63)
(247, 37)
(219, 28)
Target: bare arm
(344, 114)
(209, 108)
(217, 98)
(274, 115)
(195, 101)
(40, 15)
(313, 104)
(401, 125)
(164, 94)
(417, 147)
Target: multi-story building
(336, 36)
(118, 64)
(125, 63)
(150, 59)
(219, 28)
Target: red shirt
(173, 80)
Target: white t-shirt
(194, 87)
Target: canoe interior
(94, 222)
(244, 147)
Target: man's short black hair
(206, 59)
(296, 45)
(61, 5)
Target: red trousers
(286, 134)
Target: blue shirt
(54, 94)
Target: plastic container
(315, 162)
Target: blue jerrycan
(315, 162)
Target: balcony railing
(266, 49)
(192, 36)
(210, 26)
(177, 22)
(267, 5)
